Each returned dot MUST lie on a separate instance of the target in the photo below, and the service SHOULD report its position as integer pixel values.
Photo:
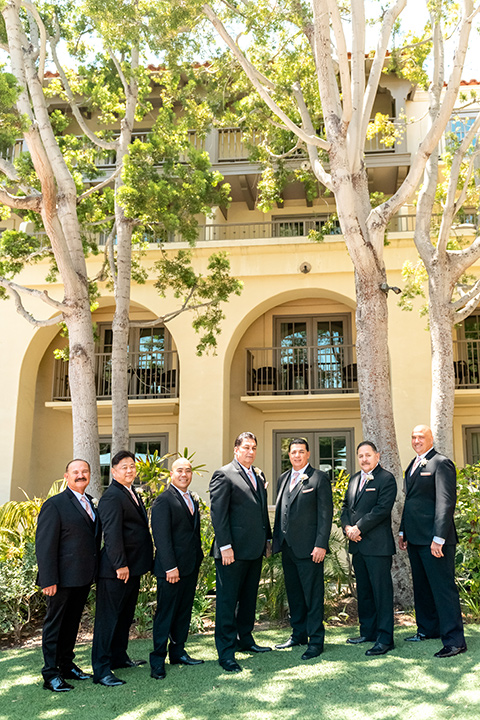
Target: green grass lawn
(407, 683)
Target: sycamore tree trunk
(365, 246)
(120, 332)
(58, 209)
(443, 376)
(122, 274)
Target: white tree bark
(347, 111)
(444, 267)
(122, 279)
(57, 206)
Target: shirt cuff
(439, 540)
(400, 534)
(225, 547)
(171, 570)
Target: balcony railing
(150, 375)
(301, 370)
(467, 363)
(224, 145)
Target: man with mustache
(67, 548)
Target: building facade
(285, 363)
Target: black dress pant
(305, 593)
(60, 628)
(236, 601)
(172, 618)
(437, 603)
(374, 596)
(115, 611)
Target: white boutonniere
(304, 479)
(369, 477)
(259, 471)
(195, 497)
(93, 502)
(423, 462)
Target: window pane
(105, 459)
(144, 447)
(472, 327)
(152, 339)
(475, 440)
(333, 454)
(293, 334)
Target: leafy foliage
(468, 527)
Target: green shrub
(20, 600)
(467, 520)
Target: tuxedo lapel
(244, 476)
(180, 499)
(283, 483)
(296, 490)
(355, 487)
(78, 508)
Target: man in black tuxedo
(427, 531)
(242, 527)
(303, 520)
(367, 522)
(176, 532)
(67, 548)
(126, 555)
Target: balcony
(151, 376)
(224, 145)
(316, 370)
(467, 364)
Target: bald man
(176, 532)
(427, 532)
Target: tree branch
(430, 141)
(42, 295)
(461, 260)
(104, 144)
(10, 171)
(254, 77)
(317, 166)
(465, 305)
(30, 202)
(121, 74)
(43, 37)
(342, 53)
(378, 62)
(101, 185)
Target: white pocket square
(308, 490)
(370, 489)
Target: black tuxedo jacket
(126, 536)
(67, 542)
(176, 533)
(371, 512)
(431, 494)
(310, 516)
(239, 513)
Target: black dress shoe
(450, 651)
(359, 640)
(109, 681)
(57, 684)
(158, 674)
(379, 649)
(255, 648)
(185, 659)
(230, 665)
(291, 642)
(130, 664)
(312, 651)
(418, 637)
(75, 673)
